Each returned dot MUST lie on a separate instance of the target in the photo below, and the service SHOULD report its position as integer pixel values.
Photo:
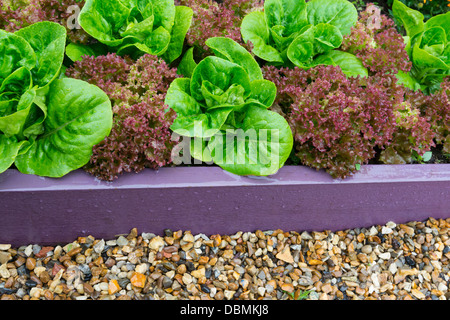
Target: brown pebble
(48, 295)
(74, 251)
(36, 279)
(44, 277)
(170, 249)
(110, 262)
(30, 263)
(175, 257)
(19, 261)
(133, 234)
(9, 283)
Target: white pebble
(385, 255)
(386, 230)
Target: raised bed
(209, 200)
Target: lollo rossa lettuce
(48, 124)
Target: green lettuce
(156, 27)
(48, 125)
(296, 33)
(429, 47)
(224, 106)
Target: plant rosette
(48, 124)
(293, 32)
(156, 27)
(428, 45)
(223, 110)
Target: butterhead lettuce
(428, 44)
(303, 34)
(48, 125)
(156, 27)
(224, 106)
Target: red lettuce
(216, 19)
(141, 136)
(337, 122)
(17, 14)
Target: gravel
(392, 262)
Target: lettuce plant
(156, 27)
(140, 137)
(224, 107)
(428, 45)
(337, 122)
(293, 32)
(48, 125)
(377, 43)
(435, 108)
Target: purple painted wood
(209, 200)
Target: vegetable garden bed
(211, 201)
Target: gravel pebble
(391, 262)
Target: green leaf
(17, 82)
(434, 41)
(15, 53)
(9, 149)
(351, 66)
(183, 19)
(154, 27)
(424, 60)
(260, 148)
(254, 29)
(327, 37)
(339, 13)
(164, 12)
(301, 50)
(48, 40)
(230, 50)
(191, 121)
(140, 31)
(411, 20)
(79, 117)
(76, 51)
(291, 14)
(199, 150)
(281, 43)
(441, 20)
(179, 98)
(407, 80)
(187, 63)
(157, 43)
(103, 19)
(264, 91)
(216, 97)
(14, 123)
(222, 73)
(202, 125)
